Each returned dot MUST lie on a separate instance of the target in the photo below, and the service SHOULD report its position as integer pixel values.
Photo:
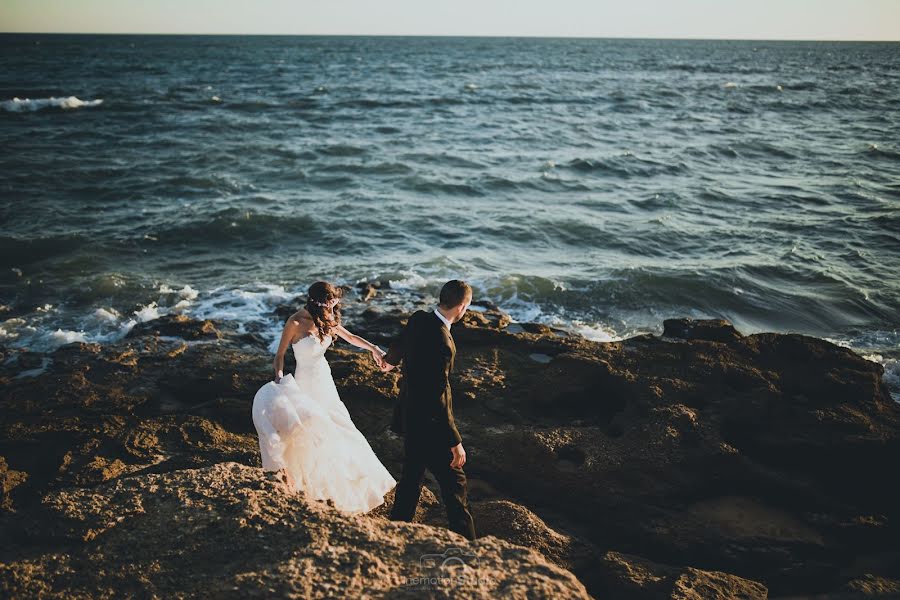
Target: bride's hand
(378, 355)
(278, 375)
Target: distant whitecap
(27, 104)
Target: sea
(596, 185)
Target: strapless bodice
(309, 353)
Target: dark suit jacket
(424, 410)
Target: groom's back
(425, 351)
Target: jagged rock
(232, 531)
(369, 289)
(178, 326)
(9, 479)
(515, 523)
(871, 586)
(636, 578)
(713, 330)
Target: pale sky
(730, 19)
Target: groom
(424, 412)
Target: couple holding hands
(306, 432)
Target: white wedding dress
(305, 428)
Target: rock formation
(697, 464)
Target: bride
(304, 429)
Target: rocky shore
(697, 464)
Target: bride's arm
(359, 342)
(291, 328)
(354, 339)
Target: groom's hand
(459, 456)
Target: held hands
(384, 365)
(378, 355)
(459, 456)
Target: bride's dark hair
(318, 296)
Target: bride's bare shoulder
(301, 317)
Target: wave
(750, 149)
(374, 103)
(381, 168)
(342, 150)
(625, 165)
(102, 325)
(29, 105)
(444, 159)
(233, 225)
(17, 251)
(876, 152)
(254, 106)
(417, 183)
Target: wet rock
(379, 325)
(178, 326)
(283, 311)
(369, 289)
(712, 330)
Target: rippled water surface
(599, 184)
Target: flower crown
(316, 302)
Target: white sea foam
(240, 305)
(147, 313)
(596, 332)
(186, 293)
(62, 337)
(13, 329)
(250, 308)
(110, 315)
(411, 281)
(27, 104)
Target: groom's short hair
(455, 293)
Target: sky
(717, 19)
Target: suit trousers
(422, 454)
